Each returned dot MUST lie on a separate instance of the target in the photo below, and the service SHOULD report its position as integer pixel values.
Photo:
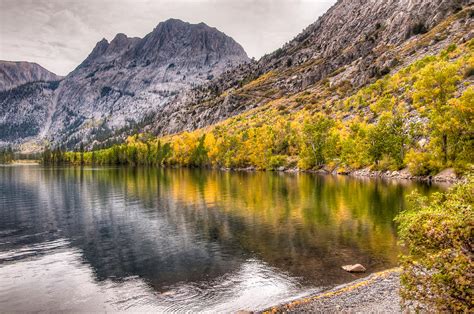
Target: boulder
(447, 175)
(356, 268)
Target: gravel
(377, 293)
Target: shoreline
(446, 176)
(376, 293)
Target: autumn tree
(199, 156)
(386, 141)
(435, 86)
(314, 142)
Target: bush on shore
(437, 270)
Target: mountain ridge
(16, 73)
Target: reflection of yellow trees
(301, 223)
(284, 217)
(304, 211)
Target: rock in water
(356, 268)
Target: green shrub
(277, 161)
(421, 163)
(387, 163)
(451, 48)
(418, 29)
(437, 270)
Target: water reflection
(187, 239)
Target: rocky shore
(377, 293)
(447, 176)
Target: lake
(115, 239)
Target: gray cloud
(59, 34)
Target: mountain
(396, 101)
(13, 74)
(183, 77)
(121, 83)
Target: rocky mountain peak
(121, 43)
(106, 52)
(13, 74)
(171, 39)
(175, 39)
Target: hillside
(24, 110)
(354, 43)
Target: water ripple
(28, 251)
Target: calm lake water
(115, 239)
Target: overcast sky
(59, 34)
